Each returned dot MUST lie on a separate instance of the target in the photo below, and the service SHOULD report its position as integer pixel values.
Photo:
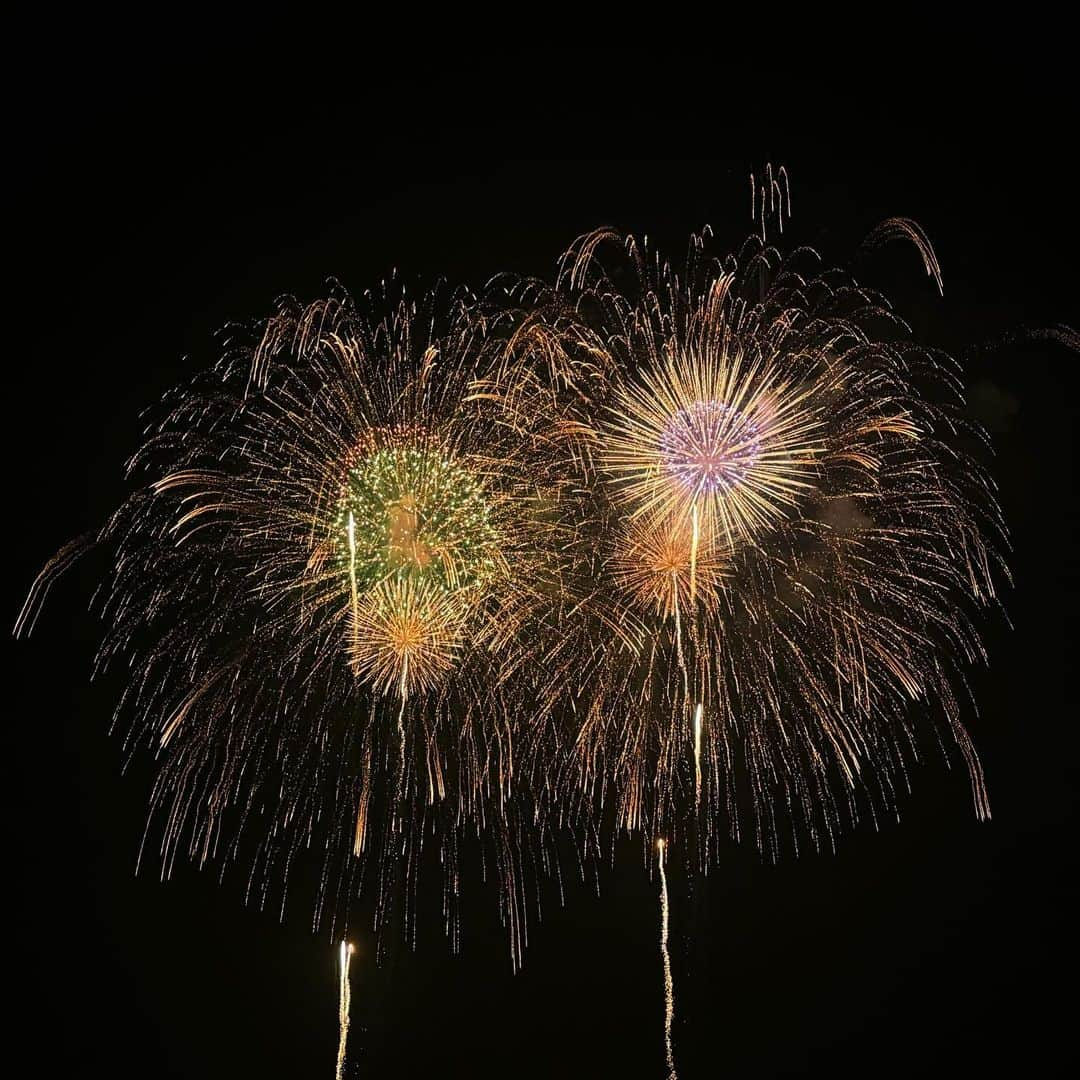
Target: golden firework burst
(658, 564)
(407, 634)
(793, 542)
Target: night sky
(158, 197)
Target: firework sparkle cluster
(686, 552)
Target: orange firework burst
(661, 564)
(408, 634)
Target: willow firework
(350, 534)
(793, 539)
(663, 550)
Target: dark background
(160, 192)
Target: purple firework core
(709, 446)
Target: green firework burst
(416, 512)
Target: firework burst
(350, 533)
(792, 539)
(688, 552)
(662, 567)
(716, 436)
(407, 635)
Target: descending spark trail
(697, 755)
(344, 1000)
(669, 987)
(352, 574)
(695, 540)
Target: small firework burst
(662, 565)
(412, 510)
(407, 634)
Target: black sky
(159, 194)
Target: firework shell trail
(345, 953)
(697, 755)
(669, 985)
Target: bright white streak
(344, 1001)
(694, 537)
(697, 755)
(352, 572)
(669, 986)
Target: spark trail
(355, 607)
(697, 755)
(669, 986)
(694, 542)
(344, 1001)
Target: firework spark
(402, 573)
(790, 532)
(345, 953)
(669, 985)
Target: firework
(406, 636)
(347, 537)
(683, 551)
(662, 568)
(345, 953)
(716, 436)
(669, 985)
(792, 539)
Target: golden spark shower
(792, 542)
(691, 551)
